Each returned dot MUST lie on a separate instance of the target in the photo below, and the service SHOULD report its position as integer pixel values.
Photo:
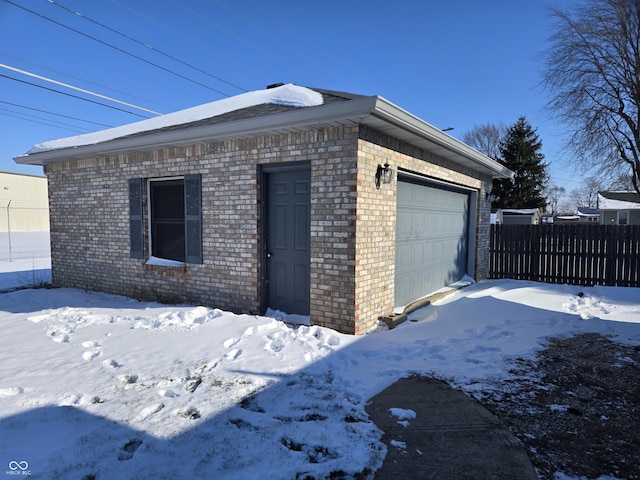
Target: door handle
(269, 254)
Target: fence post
(611, 259)
(534, 238)
(9, 229)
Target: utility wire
(285, 26)
(225, 30)
(23, 115)
(257, 27)
(243, 66)
(78, 89)
(146, 45)
(74, 96)
(115, 48)
(71, 129)
(85, 81)
(56, 114)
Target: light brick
(352, 225)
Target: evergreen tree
(520, 153)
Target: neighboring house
(565, 219)
(24, 204)
(341, 207)
(619, 208)
(518, 216)
(588, 215)
(583, 215)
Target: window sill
(163, 262)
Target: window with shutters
(166, 219)
(174, 220)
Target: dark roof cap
(621, 196)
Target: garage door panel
(431, 239)
(404, 257)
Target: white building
(619, 208)
(24, 203)
(518, 216)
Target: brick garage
(104, 236)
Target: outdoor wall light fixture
(384, 174)
(491, 197)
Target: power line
(84, 80)
(146, 45)
(116, 48)
(262, 30)
(78, 89)
(225, 30)
(56, 114)
(316, 46)
(73, 96)
(22, 115)
(257, 28)
(47, 123)
(243, 66)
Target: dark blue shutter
(136, 237)
(193, 217)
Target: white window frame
(621, 215)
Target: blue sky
(452, 63)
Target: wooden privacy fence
(575, 254)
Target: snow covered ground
(101, 386)
(25, 259)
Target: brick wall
(333, 231)
(90, 223)
(482, 231)
(376, 225)
(90, 228)
(376, 220)
(352, 251)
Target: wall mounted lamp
(490, 197)
(384, 174)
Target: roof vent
(274, 85)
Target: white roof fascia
(368, 110)
(403, 119)
(337, 112)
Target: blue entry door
(287, 240)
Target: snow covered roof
(520, 211)
(286, 95)
(618, 200)
(588, 212)
(286, 108)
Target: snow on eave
(287, 95)
(372, 111)
(332, 113)
(605, 203)
(520, 211)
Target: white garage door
(432, 243)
